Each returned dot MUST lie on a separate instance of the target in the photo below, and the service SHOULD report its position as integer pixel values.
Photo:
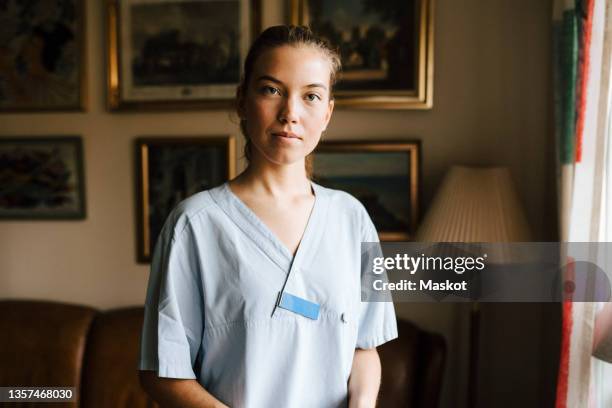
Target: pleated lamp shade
(475, 204)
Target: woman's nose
(288, 111)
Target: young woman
(254, 293)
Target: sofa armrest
(43, 343)
(412, 368)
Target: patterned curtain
(582, 49)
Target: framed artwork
(172, 169)
(41, 178)
(42, 55)
(386, 181)
(177, 54)
(386, 47)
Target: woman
(255, 285)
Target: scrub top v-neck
(216, 274)
(254, 228)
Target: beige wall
(491, 106)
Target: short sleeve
(173, 318)
(377, 322)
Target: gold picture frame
(386, 181)
(176, 55)
(192, 163)
(386, 47)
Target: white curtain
(583, 61)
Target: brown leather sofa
(56, 344)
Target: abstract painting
(41, 178)
(41, 55)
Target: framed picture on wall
(41, 178)
(172, 169)
(42, 55)
(386, 47)
(177, 54)
(386, 181)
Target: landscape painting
(385, 181)
(178, 51)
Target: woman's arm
(365, 379)
(172, 392)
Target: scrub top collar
(253, 227)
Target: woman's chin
(285, 158)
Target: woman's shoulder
(345, 205)
(192, 208)
(343, 201)
(198, 202)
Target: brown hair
(278, 36)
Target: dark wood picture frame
(42, 178)
(43, 57)
(166, 159)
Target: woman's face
(287, 103)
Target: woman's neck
(264, 177)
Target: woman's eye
(312, 97)
(270, 90)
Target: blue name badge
(298, 305)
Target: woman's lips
(286, 135)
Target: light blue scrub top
(215, 276)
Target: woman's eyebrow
(272, 79)
(269, 78)
(316, 86)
